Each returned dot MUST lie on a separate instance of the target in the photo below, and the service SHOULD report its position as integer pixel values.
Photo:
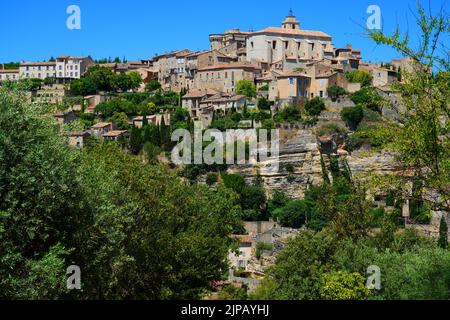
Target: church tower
(291, 22)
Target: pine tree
(443, 234)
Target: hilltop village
(329, 104)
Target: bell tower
(291, 22)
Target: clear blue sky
(36, 30)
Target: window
(252, 44)
(286, 44)
(291, 81)
(226, 75)
(274, 44)
(60, 67)
(321, 93)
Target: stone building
(224, 77)
(288, 42)
(231, 42)
(172, 69)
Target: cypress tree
(443, 234)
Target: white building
(69, 68)
(9, 74)
(64, 69)
(37, 70)
(288, 42)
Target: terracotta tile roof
(232, 98)
(293, 74)
(101, 125)
(9, 70)
(114, 133)
(232, 65)
(198, 93)
(294, 32)
(43, 63)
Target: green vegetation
(246, 88)
(100, 78)
(335, 92)
(352, 116)
(368, 98)
(360, 76)
(105, 211)
(314, 106)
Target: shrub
(360, 76)
(369, 98)
(330, 129)
(288, 114)
(335, 92)
(211, 178)
(314, 106)
(352, 116)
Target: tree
(42, 213)
(369, 98)
(120, 119)
(135, 80)
(314, 106)
(234, 181)
(342, 285)
(122, 82)
(136, 141)
(246, 88)
(335, 92)
(422, 141)
(443, 234)
(293, 214)
(288, 114)
(352, 116)
(152, 86)
(83, 87)
(103, 78)
(360, 76)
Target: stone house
(224, 77)
(77, 138)
(289, 41)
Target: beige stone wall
(223, 80)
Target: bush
(335, 92)
(369, 98)
(330, 129)
(288, 114)
(314, 106)
(263, 104)
(360, 76)
(352, 116)
(211, 178)
(293, 214)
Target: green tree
(152, 86)
(135, 80)
(43, 217)
(120, 119)
(423, 142)
(342, 285)
(335, 92)
(360, 76)
(443, 234)
(352, 116)
(246, 88)
(314, 106)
